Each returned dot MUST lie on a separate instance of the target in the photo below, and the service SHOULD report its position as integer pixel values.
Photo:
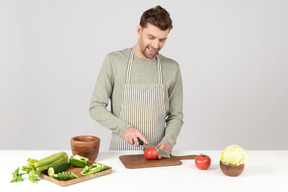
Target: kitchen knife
(161, 152)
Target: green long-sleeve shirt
(109, 86)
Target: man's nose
(155, 44)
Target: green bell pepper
(78, 161)
(94, 168)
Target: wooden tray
(139, 161)
(80, 178)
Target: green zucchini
(58, 168)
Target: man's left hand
(165, 146)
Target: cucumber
(58, 168)
(55, 176)
(64, 176)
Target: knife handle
(186, 157)
(140, 142)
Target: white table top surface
(264, 170)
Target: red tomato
(151, 153)
(202, 162)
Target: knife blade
(161, 152)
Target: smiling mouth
(149, 52)
(153, 51)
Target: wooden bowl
(85, 145)
(231, 170)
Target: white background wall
(233, 57)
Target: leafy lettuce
(234, 155)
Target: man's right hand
(131, 136)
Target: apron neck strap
(129, 68)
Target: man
(145, 89)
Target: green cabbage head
(234, 155)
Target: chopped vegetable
(64, 176)
(78, 161)
(94, 168)
(58, 168)
(35, 167)
(234, 155)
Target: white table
(264, 170)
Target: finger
(136, 141)
(126, 138)
(164, 147)
(130, 140)
(161, 146)
(141, 137)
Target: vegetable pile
(56, 166)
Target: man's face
(151, 40)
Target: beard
(146, 52)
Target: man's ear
(139, 29)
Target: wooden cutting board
(139, 161)
(80, 178)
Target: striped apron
(143, 108)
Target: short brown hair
(158, 17)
